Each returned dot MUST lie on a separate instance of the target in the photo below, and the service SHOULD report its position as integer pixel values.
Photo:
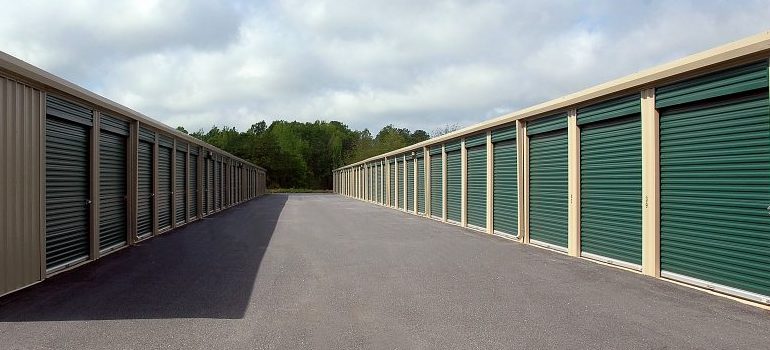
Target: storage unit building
(88, 177)
(665, 172)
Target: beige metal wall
(23, 90)
(20, 185)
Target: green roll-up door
(164, 186)
(611, 180)
(379, 183)
(180, 188)
(206, 185)
(548, 190)
(421, 184)
(67, 188)
(193, 185)
(715, 191)
(113, 189)
(504, 176)
(436, 185)
(392, 201)
(145, 213)
(219, 183)
(477, 186)
(376, 183)
(453, 184)
(400, 184)
(371, 183)
(409, 185)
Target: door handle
(88, 202)
(768, 210)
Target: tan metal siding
(20, 207)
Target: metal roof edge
(27, 71)
(747, 46)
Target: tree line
(303, 154)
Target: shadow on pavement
(206, 269)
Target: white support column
(405, 200)
(426, 164)
(464, 184)
(416, 196)
(573, 175)
(387, 182)
(650, 185)
(490, 184)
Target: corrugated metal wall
(78, 180)
(20, 197)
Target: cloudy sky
(412, 63)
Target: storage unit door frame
(548, 181)
(68, 175)
(714, 183)
(113, 184)
(505, 196)
(476, 181)
(611, 181)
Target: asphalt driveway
(327, 272)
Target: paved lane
(326, 272)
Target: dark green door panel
(454, 186)
(723, 83)
(506, 192)
(421, 185)
(146, 208)
(193, 185)
(164, 187)
(436, 186)
(477, 186)
(218, 184)
(180, 190)
(209, 185)
(113, 190)
(401, 187)
(715, 191)
(67, 197)
(548, 187)
(409, 185)
(611, 189)
(392, 201)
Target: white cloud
(414, 64)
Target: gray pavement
(327, 272)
